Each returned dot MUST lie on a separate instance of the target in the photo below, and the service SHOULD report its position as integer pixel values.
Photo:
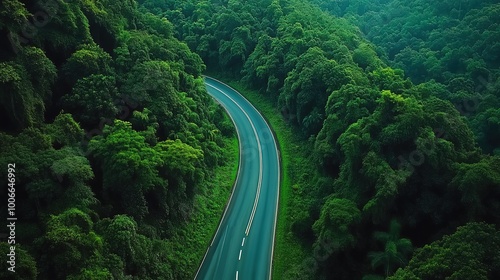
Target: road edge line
(234, 184)
(276, 143)
(259, 184)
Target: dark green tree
(25, 265)
(129, 166)
(88, 60)
(69, 245)
(335, 225)
(471, 251)
(396, 249)
(93, 98)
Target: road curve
(242, 247)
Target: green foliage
(122, 231)
(13, 90)
(471, 251)
(395, 251)
(93, 97)
(380, 147)
(452, 43)
(125, 242)
(25, 87)
(158, 26)
(487, 126)
(389, 79)
(304, 93)
(73, 171)
(105, 114)
(365, 57)
(25, 268)
(180, 158)
(13, 15)
(52, 179)
(129, 165)
(478, 183)
(41, 71)
(394, 148)
(344, 107)
(64, 130)
(334, 226)
(88, 60)
(93, 273)
(68, 245)
(66, 28)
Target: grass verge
(288, 251)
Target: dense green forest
(106, 118)
(395, 104)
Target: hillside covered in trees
(107, 121)
(395, 105)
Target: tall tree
(396, 249)
(129, 166)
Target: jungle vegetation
(396, 103)
(107, 119)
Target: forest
(395, 106)
(105, 115)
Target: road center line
(239, 258)
(259, 186)
(260, 175)
(243, 242)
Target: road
(242, 247)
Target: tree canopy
(395, 105)
(113, 135)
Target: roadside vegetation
(123, 161)
(190, 241)
(294, 160)
(393, 105)
(387, 113)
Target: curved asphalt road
(242, 247)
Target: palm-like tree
(396, 249)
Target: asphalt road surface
(242, 247)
